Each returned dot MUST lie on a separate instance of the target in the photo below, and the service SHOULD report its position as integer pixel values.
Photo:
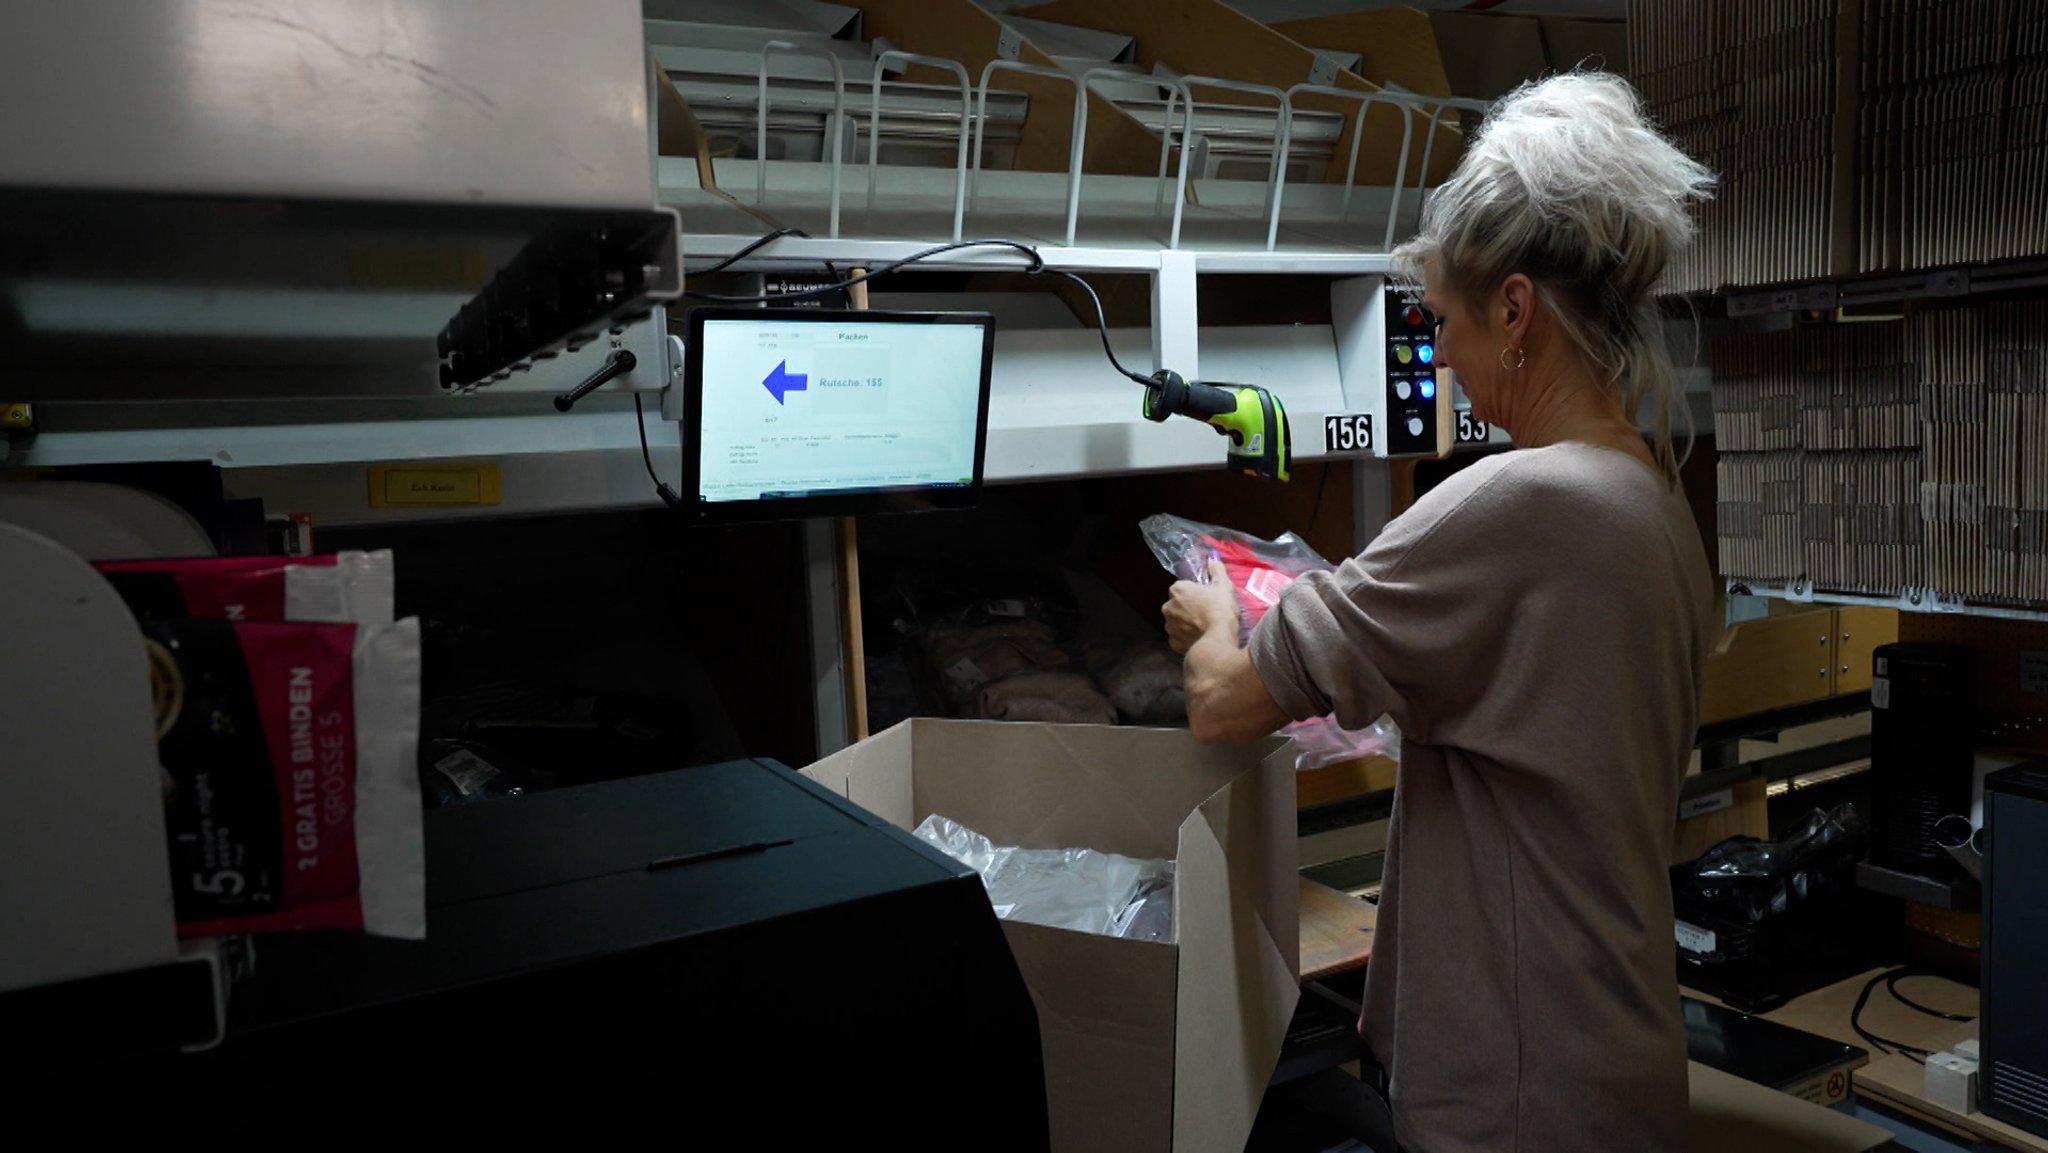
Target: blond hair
(1568, 183)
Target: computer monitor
(806, 412)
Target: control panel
(1399, 399)
(1391, 374)
(1412, 424)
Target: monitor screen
(798, 412)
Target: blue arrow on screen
(782, 382)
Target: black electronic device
(2013, 1015)
(810, 412)
(719, 951)
(1922, 730)
(1786, 1059)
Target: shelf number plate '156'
(1347, 433)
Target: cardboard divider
(1208, 38)
(960, 30)
(1064, 786)
(1395, 45)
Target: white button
(1414, 426)
(1403, 389)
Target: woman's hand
(1226, 700)
(1193, 610)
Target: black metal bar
(1757, 725)
(619, 364)
(1962, 896)
(1884, 288)
(1785, 766)
(1344, 813)
(1349, 873)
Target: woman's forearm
(1226, 699)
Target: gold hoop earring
(1520, 358)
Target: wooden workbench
(1892, 1080)
(1336, 931)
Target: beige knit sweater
(1537, 625)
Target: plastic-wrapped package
(1080, 889)
(350, 586)
(1146, 682)
(1746, 879)
(1059, 697)
(1260, 570)
(290, 792)
(931, 596)
(288, 706)
(969, 659)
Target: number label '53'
(1472, 431)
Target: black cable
(1101, 321)
(1910, 1052)
(751, 248)
(1037, 265)
(661, 489)
(1891, 983)
(1035, 268)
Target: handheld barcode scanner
(1253, 419)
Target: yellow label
(423, 266)
(393, 487)
(16, 416)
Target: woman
(1537, 626)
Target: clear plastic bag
(1260, 570)
(1080, 889)
(1322, 742)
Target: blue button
(1429, 390)
(1427, 353)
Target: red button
(1413, 316)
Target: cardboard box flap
(1238, 930)
(1105, 1022)
(1113, 789)
(874, 774)
(1730, 1113)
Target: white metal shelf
(1121, 227)
(1913, 600)
(796, 250)
(1057, 411)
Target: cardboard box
(1147, 1046)
(1730, 1113)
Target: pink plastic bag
(1260, 570)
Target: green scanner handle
(1250, 416)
